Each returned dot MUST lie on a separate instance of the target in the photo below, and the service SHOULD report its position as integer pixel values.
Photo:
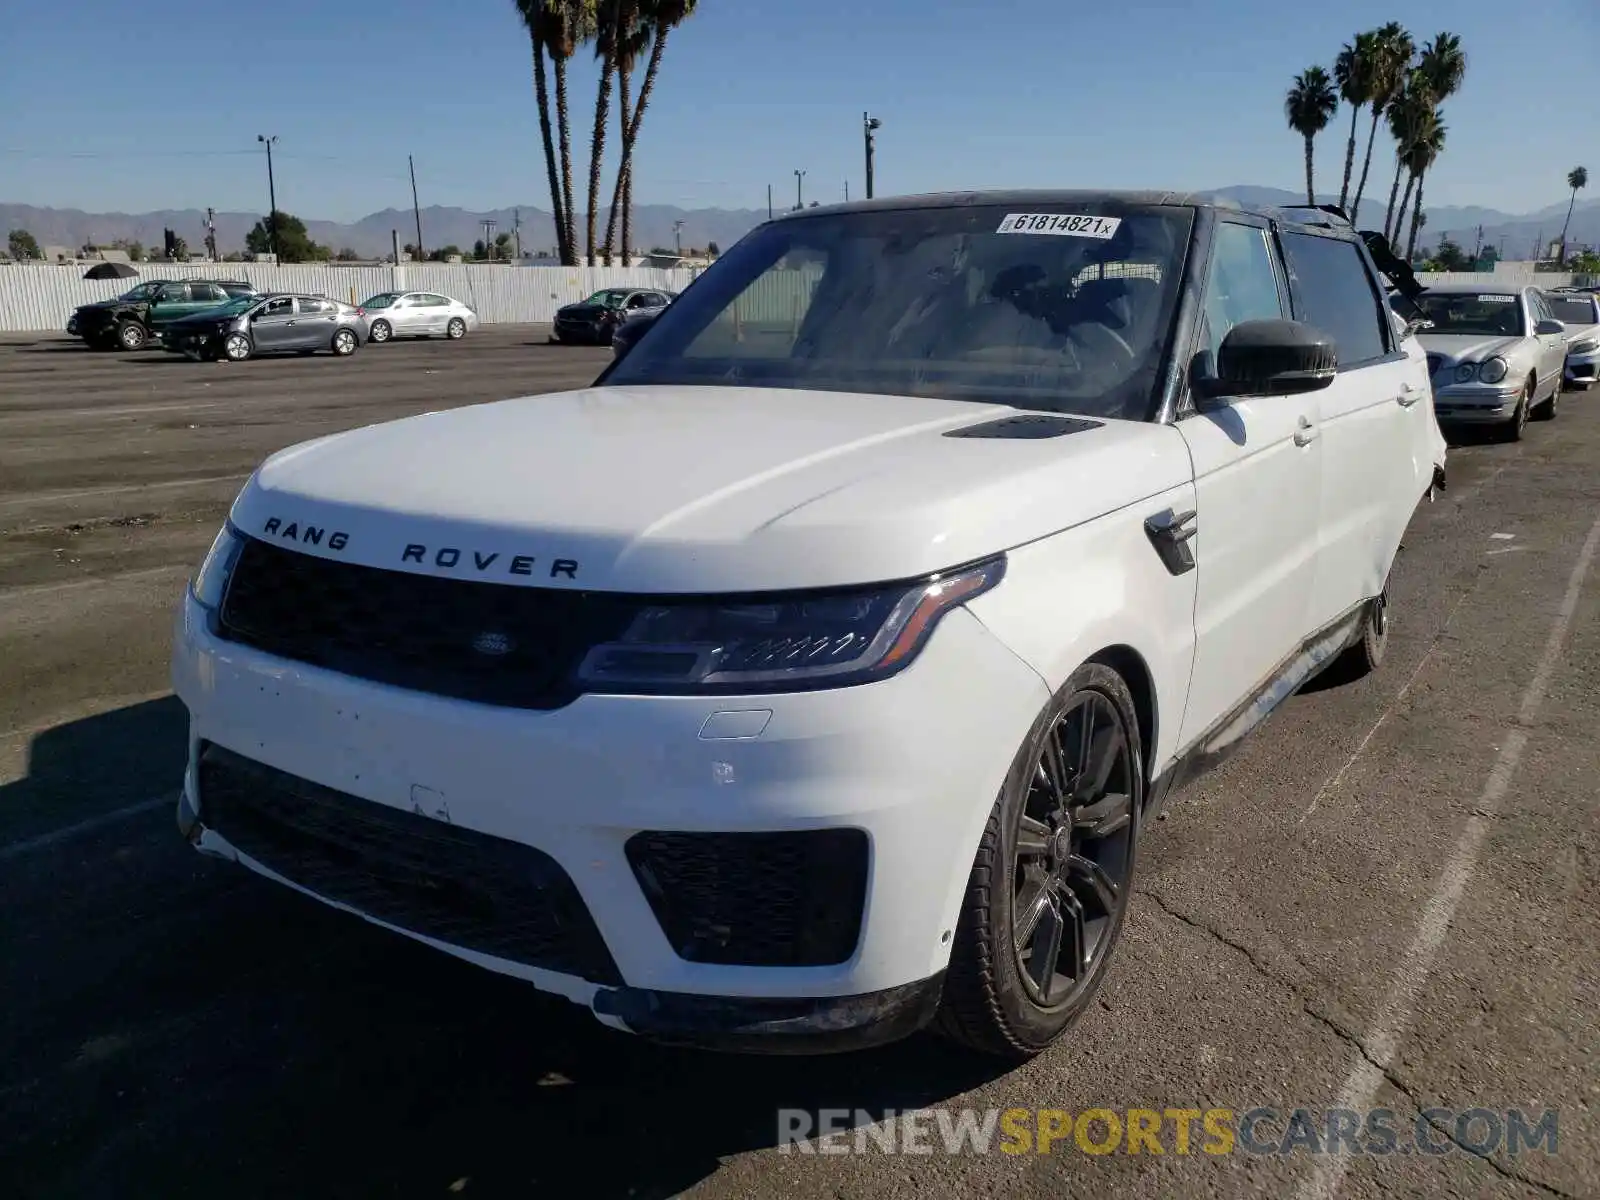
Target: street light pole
(869, 126)
(272, 194)
(799, 194)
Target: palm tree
(1577, 178)
(1352, 71)
(607, 25)
(1393, 51)
(1443, 65)
(632, 40)
(1425, 149)
(571, 23)
(662, 17)
(1309, 106)
(536, 20)
(1408, 115)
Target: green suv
(134, 318)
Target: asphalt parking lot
(1389, 899)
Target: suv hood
(697, 489)
(1467, 347)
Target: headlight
(210, 582)
(1587, 346)
(1465, 372)
(780, 642)
(1493, 370)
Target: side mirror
(1270, 358)
(1547, 327)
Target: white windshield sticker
(1060, 224)
(1497, 299)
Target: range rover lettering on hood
(310, 535)
(450, 557)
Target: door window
(283, 306)
(1335, 294)
(310, 307)
(1243, 285)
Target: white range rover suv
(812, 676)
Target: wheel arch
(1135, 672)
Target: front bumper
(912, 762)
(1474, 403)
(597, 333)
(1583, 368)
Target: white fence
(38, 297)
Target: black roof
(1305, 216)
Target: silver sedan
(1580, 313)
(417, 314)
(1495, 353)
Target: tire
(381, 331)
(1365, 655)
(1512, 430)
(456, 329)
(992, 998)
(345, 343)
(132, 336)
(236, 347)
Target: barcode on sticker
(1497, 299)
(1060, 224)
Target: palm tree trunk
(652, 68)
(1400, 215)
(624, 112)
(1416, 220)
(1311, 197)
(1394, 191)
(541, 85)
(597, 150)
(1349, 158)
(1366, 163)
(564, 121)
(1566, 223)
(627, 218)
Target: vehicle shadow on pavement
(82, 769)
(181, 1027)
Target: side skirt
(1217, 744)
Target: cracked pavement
(177, 1027)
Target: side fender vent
(1027, 426)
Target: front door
(1258, 478)
(272, 326)
(1373, 419)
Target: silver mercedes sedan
(1495, 353)
(417, 314)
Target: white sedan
(417, 314)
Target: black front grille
(488, 642)
(756, 899)
(419, 873)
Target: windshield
(1573, 310)
(1483, 313)
(1057, 311)
(609, 298)
(142, 292)
(381, 300)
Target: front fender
(1098, 586)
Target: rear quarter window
(1334, 292)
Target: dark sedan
(592, 322)
(272, 324)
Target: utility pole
(211, 233)
(769, 202)
(847, 191)
(416, 209)
(799, 189)
(487, 226)
(1477, 249)
(394, 236)
(869, 126)
(677, 234)
(516, 230)
(272, 194)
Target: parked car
(275, 323)
(1495, 354)
(1580, 312)
(140, 316)
(418, 314)
(593, 321)
(814, 675)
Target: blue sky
(135, 107)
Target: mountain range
(1516, 234)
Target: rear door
(1552, 346)
(313, 324)
(1258, 470)
(1373, 419)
